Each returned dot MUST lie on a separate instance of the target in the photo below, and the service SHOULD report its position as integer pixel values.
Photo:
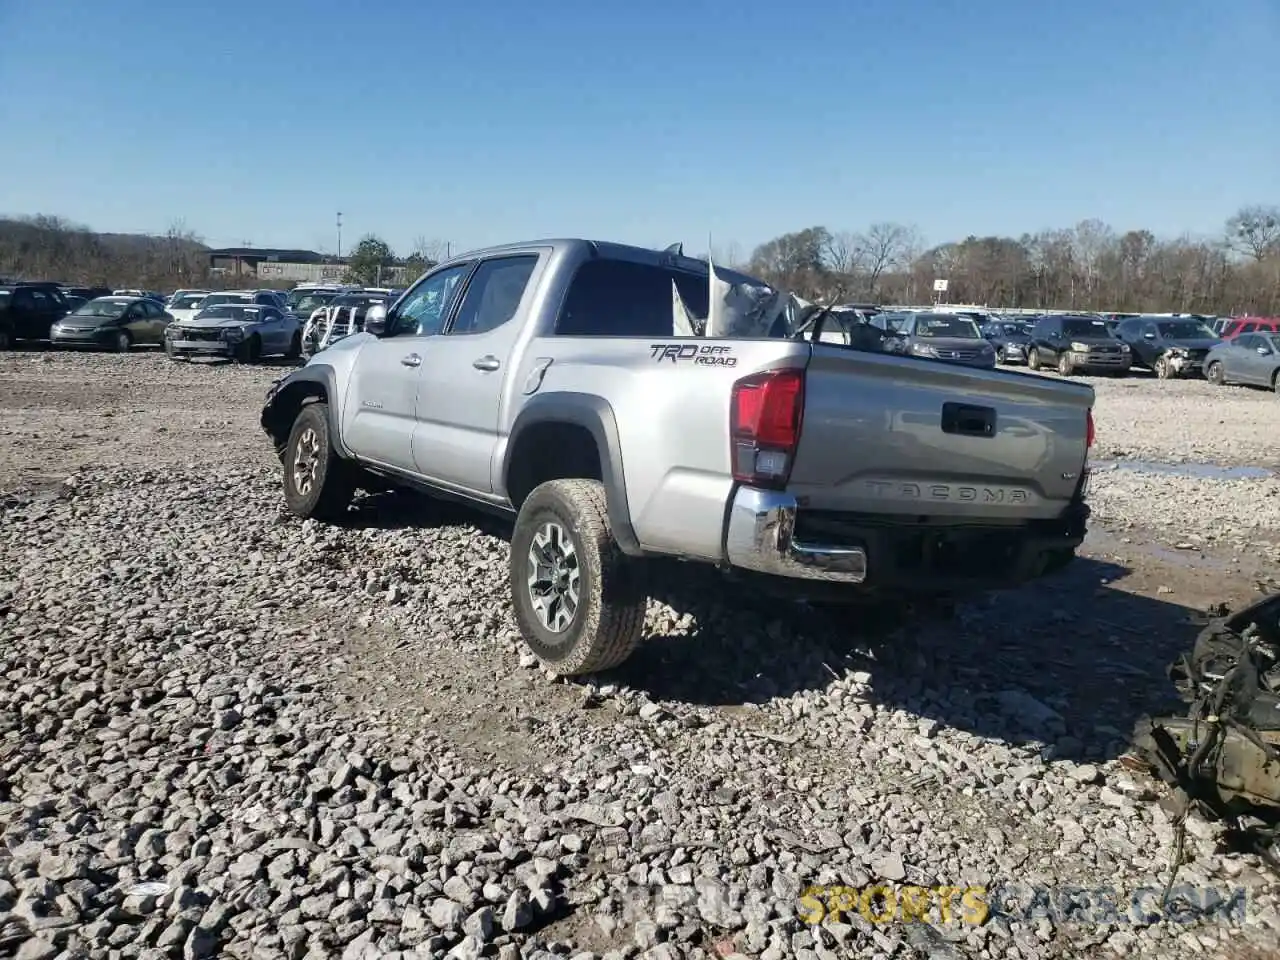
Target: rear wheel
(122, 341)
(1033, 359)
(579, 600)
(295, 347)
(6, 340)
(1214, 374)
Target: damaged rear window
(622, 298)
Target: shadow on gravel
(1070, 660)
(398, 509)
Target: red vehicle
(1237, 325)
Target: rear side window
(620, 298)
(494, 294)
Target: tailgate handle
(968, 421)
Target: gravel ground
(225, 732)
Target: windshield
(1273, 340)
(961, 327)
(102, 308)
(230, 311)
(1084, 328)
(1185, 330)
(309, 302)
(213, 299)
(188, 301)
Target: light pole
(339, 234)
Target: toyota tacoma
(544, 381)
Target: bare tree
(1255, 231)
(882, 248)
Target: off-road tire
(1033, 359)
(122, 342)
(249, 351)
(608, 622)
(333, 485)
(1066, 367)
(1213, 373)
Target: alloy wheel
(554, 577)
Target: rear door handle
(412, 360)
(488, 364)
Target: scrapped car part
(1222, 760)
(327, 325)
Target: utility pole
(339, 234)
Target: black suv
(28, 310)
(1076, 343)
(1171, 346)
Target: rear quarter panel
(670, 400)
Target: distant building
(249, 262)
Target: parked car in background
(293, 299)
(1011, 338)
(86, 293)
(1170, 347)
(1076, 344)
(186, 304)
(114, 323)
(1235, 326)
(307, 303)
(183, 294)
(1251, 358)
(29, 310)
(244, 331)
(948, 337)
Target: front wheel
(249, 350)
(1163, 368)
(317, 482)
(1215, 375)
(295, 347)
(579, 600)
(1033, 359)
(1065, 365)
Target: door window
(494, 294)
(427, 306)
(622, 298)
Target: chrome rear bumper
(760, 537)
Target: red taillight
(764, 426)
(1089, 432)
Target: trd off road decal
(708, 354)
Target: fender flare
(302, 382)
(596, 416)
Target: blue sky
(650, 122)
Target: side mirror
(1263, 351)
(375, 319)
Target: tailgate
(884, 434)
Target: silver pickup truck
(542, 381)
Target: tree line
(1090, 266)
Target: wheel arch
(585, 426)
(314, 383)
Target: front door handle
(488, 364)
(412, 360)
